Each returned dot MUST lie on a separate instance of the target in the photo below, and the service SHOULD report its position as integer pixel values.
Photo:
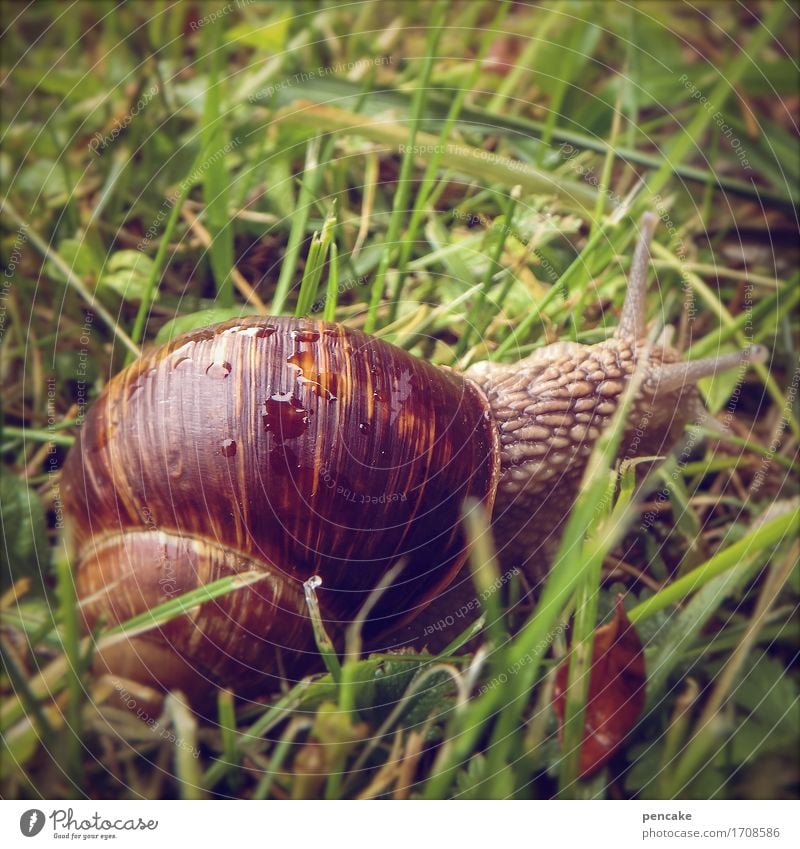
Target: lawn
(466, 181)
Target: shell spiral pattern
(289, 447)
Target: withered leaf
(502, 55)
(616, 691)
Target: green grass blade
(766, 535)
(317, 258)
(463, 158)
(403, 192)
(689, 140)
(309, 189)
(332, 290)
(216, 180)
(70, 636)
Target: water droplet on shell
(284, 415)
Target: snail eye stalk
(671, 377)
(632, 321)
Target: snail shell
(281, 446)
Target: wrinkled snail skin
(288, 448)
(550, 412)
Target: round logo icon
(31, 822)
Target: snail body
(271, 450)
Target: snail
(288, 448)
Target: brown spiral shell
(289, 447)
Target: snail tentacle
(671, 377)
(632, 321)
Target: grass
(462, 213)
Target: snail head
(551, 406)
